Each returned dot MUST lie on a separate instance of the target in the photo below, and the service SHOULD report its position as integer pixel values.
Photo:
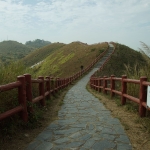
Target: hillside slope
(67, 60)
(40, 54)
(123, 56)
(13, 50)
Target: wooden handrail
(47, 86)
(141, 101)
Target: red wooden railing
(107, 84)
(47, 86)
(102, 66)
(22, 108)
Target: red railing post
(91, 82)
(58, 84)
(94, 83)
(22, 97)
(48, 87)
(70, 80)
(66, 84)
(112, 86)
(29, 90)
(52, 85)
(61, 82)
(41, 90)
(143, 96)
(80, 73)
(104, 85)
(99, 84)
(124, 90)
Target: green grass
(8, 74)
(122, 59)
(40, 54)
(68, 59)
(12, 51)
(59, 57)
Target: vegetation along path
(84, 123)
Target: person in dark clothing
(81, 67)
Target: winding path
(84, 123)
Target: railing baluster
(48, 86)
(41, 90)
(124, 90)
(143, 94)
(112, 86)
(29, 91)
(22, 97)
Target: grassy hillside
(12, 50)
(123, 58)
(40, 54)
(62, 62)
(68, 59)
(37, 43)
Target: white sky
(89, 21)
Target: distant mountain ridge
(37, 43)
(13, 50)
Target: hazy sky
(89, 21)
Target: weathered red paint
(46, 88)
(123, 90)
(143, 94)
(112, 86)
(41, 90)
(123, 93)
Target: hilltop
(37, 43)
(40, 54)
(68, 59)
(124, 58)
(12, 51)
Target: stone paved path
(84, 123)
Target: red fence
(47, 86)
(102, 66)
(107, 84)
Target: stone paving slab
(84, 123)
